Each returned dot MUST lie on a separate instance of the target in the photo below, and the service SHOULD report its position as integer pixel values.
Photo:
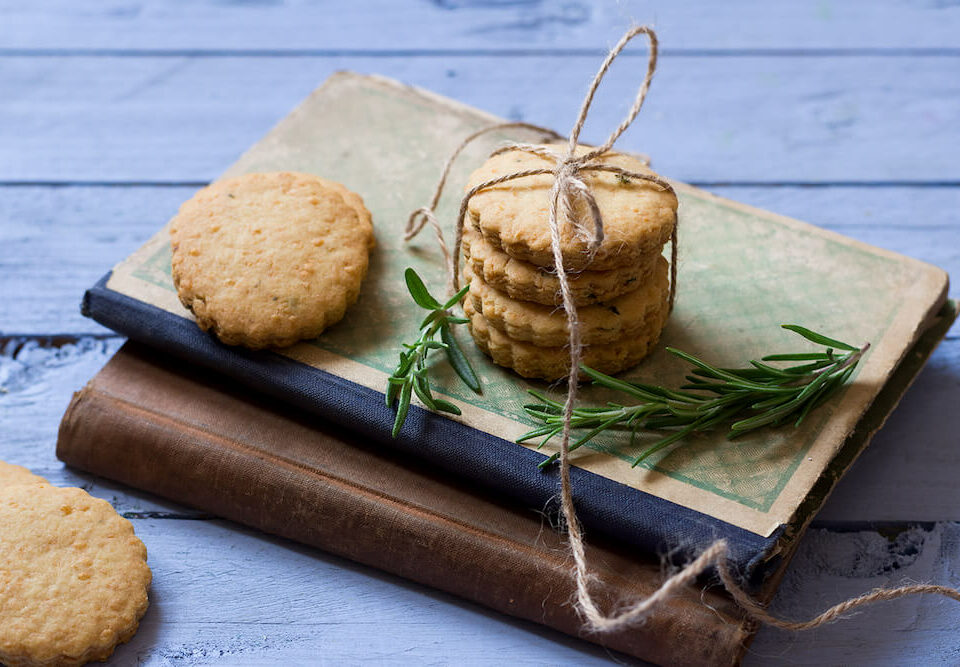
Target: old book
(742, 273)
(189, 435)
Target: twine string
(570, 195)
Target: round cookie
(14, 475)
(553, 363)
(270, 259)
(638, 216)
(354, 201)
(73, 577)
(528, 282)
(546, 326)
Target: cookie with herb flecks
(269, 259)
(638, 216)
(552, 363)
(73, 577)
(528, 282)
(546, 326)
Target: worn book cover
(742, 273)
(184, 433)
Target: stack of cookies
(621, 292)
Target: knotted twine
(568, 191)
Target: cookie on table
(546, 326)
(553, 363)
(528, 282)
(638, 216)
(73, 577)
(14, 475)
(266, 260)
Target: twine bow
(568, 195)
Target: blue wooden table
(844, 114)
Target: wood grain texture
(493, 25)
(745, 118)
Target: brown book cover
(159, 424)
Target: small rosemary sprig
(754, 397)
(410, 375)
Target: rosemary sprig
(410, 375)
(751, 398)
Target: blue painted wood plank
(56, 241)
(715, 120)
(475, 24)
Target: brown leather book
(159, 425)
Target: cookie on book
(14, 475)
(546, 326)
(269, 259)
(528, 282)
(553, 363)
(73, 577)
(638, 216)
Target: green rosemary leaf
(411, 374)
(808, 368)
(432, 317)
(760, 395)
(446, 406)
(618, 385)
(663, 442)
(422, 389)
(536, 433)
(543, 399)
(458, 360)
(599, 428)
(456, 298)
(800, 356)
(393, 389)
(773, 372)
(402, 408)
(419, 291)
(820, 339)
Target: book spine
(132, 444)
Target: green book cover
(742, 273)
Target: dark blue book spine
(622, 513)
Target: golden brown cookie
(552, 363)
(528, 282)
(638, 216)
(73, 577)
(354, 201)
(14, 475)
(546, 326)
(270, 259)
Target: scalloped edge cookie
(73, 577)
(528, 282)
(546, 326)
(553, 363)
(14, 475)
(266, 260)
(638, 216)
